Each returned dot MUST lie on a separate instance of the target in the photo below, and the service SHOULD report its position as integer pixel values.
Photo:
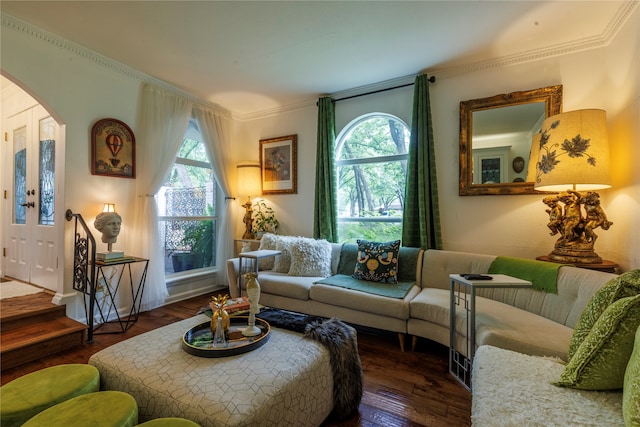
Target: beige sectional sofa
(304, 295)
(523, 320)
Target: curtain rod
(431, 79)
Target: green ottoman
(30, 394)
(101, 409)
(169, 422)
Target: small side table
(110, 291)
(463, 294)
(606, 266)
(248, 262)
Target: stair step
(18, 320)
(32, 327)
(36, 340)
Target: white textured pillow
(268, 242)
(282, 262)
(310, 258)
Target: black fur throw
(342, 342)
(290, 320)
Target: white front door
(31, 249)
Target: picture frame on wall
(279, 165)
(113, 149)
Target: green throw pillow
(631, 390)
(377, 262)
(625, 285)
(601, 359)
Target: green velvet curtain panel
(325, 221)
(421, 219)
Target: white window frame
(177, 278)
(340, 140)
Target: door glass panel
(20, 175)
(47, 171)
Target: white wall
(77, 92)
(80, 91)
(605, 78)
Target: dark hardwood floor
(400, 388)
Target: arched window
(371, 163)
(187, 208)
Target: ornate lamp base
(578, 256)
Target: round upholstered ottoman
(30, 394)
(101, 409)
(169, 422)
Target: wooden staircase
(32, 327)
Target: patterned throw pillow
(625, 285)
(631, 389)
(602, 357)
(310, 258)
(377, 262)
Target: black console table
(108, 282)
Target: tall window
(371, 162)
(187, 208)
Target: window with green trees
(371, 164)
(187, 208)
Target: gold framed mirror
(496, 133)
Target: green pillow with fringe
(600, 361)
(625, 285)
(631, 389)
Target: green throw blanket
(398, 290)
(543, 275)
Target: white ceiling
(255, 56)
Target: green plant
(199, 238)
(264, 217)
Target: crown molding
(584, 44)
(336, 95)
(587, 43)
(17, 25)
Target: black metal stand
(87, 272)
(110, 291)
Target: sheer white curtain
(163, 120)
(216, 131)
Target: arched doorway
(32, 179)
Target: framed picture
(113, 149)
(279, 165)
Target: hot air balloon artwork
(112, 149)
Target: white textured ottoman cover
(286, 382)
(514, 389)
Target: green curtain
(325, 222)
(421, 219)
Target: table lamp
(248, 185)
(572, 158)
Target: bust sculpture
(108, 223)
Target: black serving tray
(198, 340)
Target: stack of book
(111, 257)
(237, 305)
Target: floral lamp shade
(573, 152)
(533, 157)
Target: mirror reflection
(501, 142)
(495, 139)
